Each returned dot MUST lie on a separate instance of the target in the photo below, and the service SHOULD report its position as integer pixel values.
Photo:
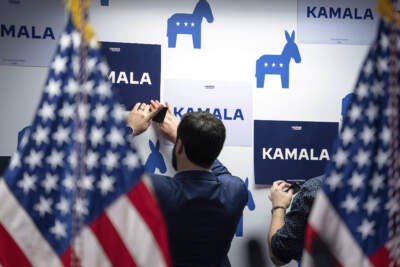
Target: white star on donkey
(106, 184)
(44, 206)
(27, 183)
(53, 88)
(59, 64)
(366, 229)
(350, 204)
(59, 230)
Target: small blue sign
(135, 71)
(278, 64)
(291, 150)
(181, 23)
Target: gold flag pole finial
(75, 7)
(387, 11)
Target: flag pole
(79, 16)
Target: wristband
(277, 207)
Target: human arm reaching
(139, 118)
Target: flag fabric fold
(349, 223)
(75, 192)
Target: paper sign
(229, 101)
(291, 150)
(336, 21)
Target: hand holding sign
(170, 124)
(139, 118)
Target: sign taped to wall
(135, 71)
(230, 101)
(336, 21)
(291, 150)
(27, 36)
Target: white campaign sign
(29, 31)
(230, 101)
(336, 21)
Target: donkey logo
(155, 159)
(278, 64)
(250, 205)
(181, 23)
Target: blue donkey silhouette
(155, 159)
(278, 64)
(181, 23)
(250, 204)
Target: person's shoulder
(233, 183)
(313, 184)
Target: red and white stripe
(326, 225)
(131, 232)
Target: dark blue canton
(42, 172)
(357, 178)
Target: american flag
(351, 223)
(75, 192)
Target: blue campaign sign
(291, 150)
(135, 71)
(336, 21)
(182, 23)
(278, 64)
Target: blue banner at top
(336, 21)
(291, 150)
(135, 71)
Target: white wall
(242, 32)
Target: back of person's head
(203, 136)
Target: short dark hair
(203, 136)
